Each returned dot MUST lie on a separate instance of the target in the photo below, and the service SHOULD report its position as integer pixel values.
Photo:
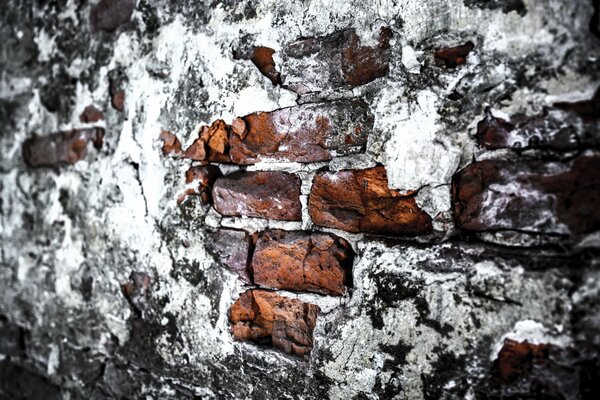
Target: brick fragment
(108, 15)
(264, 194)
(171, 145)
(361, 201)
(267, 318)
(137, 291)
(206, 175)
(61, 147)
(306, 133)
(91, 114)
(317, 262)
(232, 249)
(565, 126)
(452, 57)
(338, 60)
(589, 110)
(262, 57)
(212, 143)
(530, 196)
(516, 358)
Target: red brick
(91, 114)
(306, 133)
(530, 196)
(317, 262)
(205, 175)
(361, 201)
(452, 57)
(61, 147)
(268, 318)
(171, 145)
(264, 194)
(338, 60)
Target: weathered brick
(264, 194)
(361, 201)
(335, 61)
(232, 249)
(268, 318)
(306, 133)
(452, 57)
(317, 262)
(530, 196)
(565, 126)
(61, 147)
(212, 143)
(206, 175)
(262, 57)
(137, 291)
(171, 145)
(108, 15)
(91, 114)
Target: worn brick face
(205, 175)
(306, 133)
(264, 194)
(61, 147)
(338, 60)
(268, 318)
(361, 201)
(452, 57)
(232, 249)
(565, 126)
(317, 262)
(529, 196)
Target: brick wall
(300, 200)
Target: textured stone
(171, 145)
(529, 196)
(206, 175)
(361, 201)
(264, 194)
(61, 147)
(317, 262)
(338, 60)
(91, 114)
(452, 57)
(268, 318)
(108, 15)
(232, 249)
(306, 133)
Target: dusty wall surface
(479, 117)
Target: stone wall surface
(300, 199)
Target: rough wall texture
(435, 163)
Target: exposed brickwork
(529, 196)
(266, 317)
(171, 145)
(317, 262)
(335, 61)
(361, 201)
(61, 147)
(306, 133)
(452, 57)
(263, 194)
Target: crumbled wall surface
(300, 199)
